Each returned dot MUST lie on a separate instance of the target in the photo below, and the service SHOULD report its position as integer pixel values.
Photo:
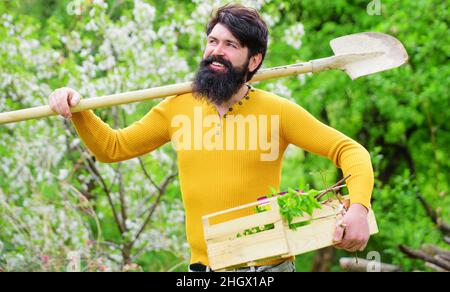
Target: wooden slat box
(227, 250)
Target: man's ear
(255, 61)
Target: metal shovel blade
(386, 52)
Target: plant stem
(326, 191)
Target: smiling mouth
(217, 66)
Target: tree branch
(90, 166)
(147, 175)
(331, 188)
(350, 264)
(123, 203)
(443, 227)
(418, 254)
(447, 239)
(434, 250)
(162, 190)
(434, 267)
(93, 169)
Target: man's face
(224, 68)
(221, 42)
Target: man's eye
(232, 45)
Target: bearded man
(225, 133)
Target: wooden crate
(226, 250)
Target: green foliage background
(400, 116)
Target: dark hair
(246, 25)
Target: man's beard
(218, 86)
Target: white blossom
(293, 35)
(279, 87)
(125, 54)
(143, 13)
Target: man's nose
(218, 50)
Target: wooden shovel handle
(142, 95)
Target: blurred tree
(400, 116)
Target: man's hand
(352, 232)
(62, 99)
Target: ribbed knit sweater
(231, 160)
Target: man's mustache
(211, 59)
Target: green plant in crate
(295, 204)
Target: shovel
(357, 54)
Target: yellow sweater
(229, 161)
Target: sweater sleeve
(109, 145)
(303, 130)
